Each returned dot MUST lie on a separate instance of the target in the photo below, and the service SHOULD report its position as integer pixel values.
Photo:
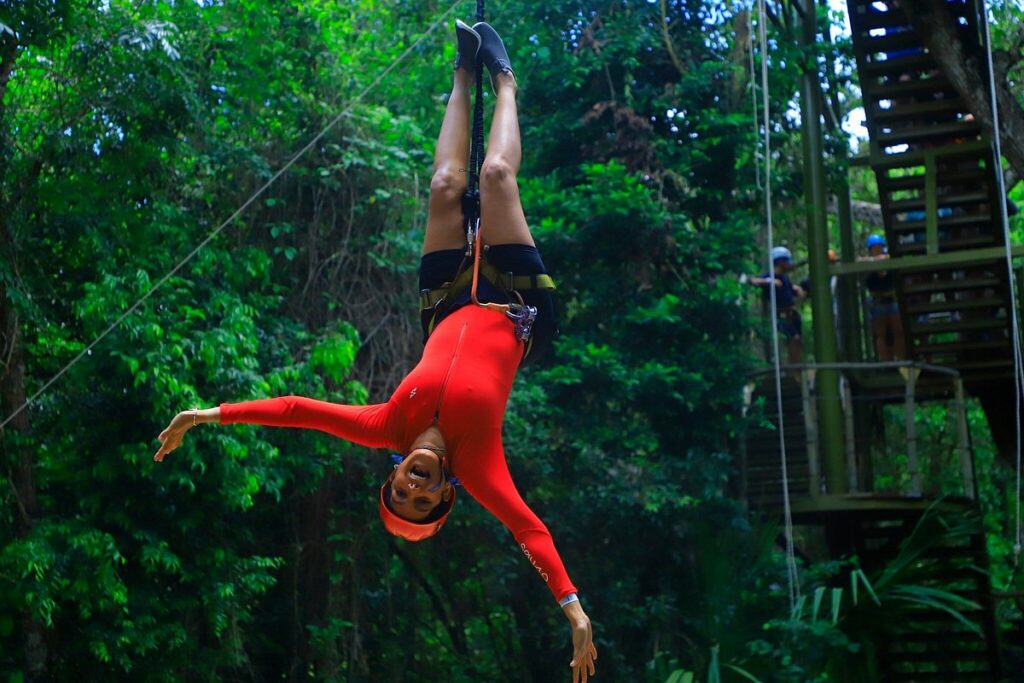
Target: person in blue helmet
(787, 296)
(883, 312)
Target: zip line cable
(237, 213)
(1018, 366)
(791, 568)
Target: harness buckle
(523, 316)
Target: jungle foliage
(130, 130)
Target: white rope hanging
(1018, 366)
(791, 567)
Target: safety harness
(439, 301)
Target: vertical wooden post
(910, 398)
(931, 200)
(851, 450)
(963, 441)
(811, 427)
(815, 182)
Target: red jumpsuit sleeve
(486, 477)
(373, 425)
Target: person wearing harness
(883, 311)
(483, 309)
(787, 296)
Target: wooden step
(960, 347)
(944, 245)
(960, 326)
(890, 42)
(936, 638)
(974, 218)
(946, 285)
(980, 366)
(914, 134)
(945, 109)
(901, 205)
(902, 89)
(944, 676)
(884, 67)
(868, 18)
(952, 654)
(916, 182)
(954, 305)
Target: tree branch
(456, 635)
(667, 38)
(965, 68)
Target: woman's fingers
(169, 443)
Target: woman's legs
(502, 220)
(451, 159)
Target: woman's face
(418, 485)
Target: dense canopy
(129, 131)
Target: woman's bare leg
(451, 159)
(501, 213)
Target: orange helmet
(415, 531)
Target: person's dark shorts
(439, 267)
(790, 325)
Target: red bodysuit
(463, 381)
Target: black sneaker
(468, 46)
(492, 51)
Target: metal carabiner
(523, 316)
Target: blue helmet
(876, 241)
(781, 254)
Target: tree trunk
(12, 396)
(965, 66)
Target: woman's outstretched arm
(374, 426)
(486, 477)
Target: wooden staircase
(935, 168)
(763, 466)
(930, 645)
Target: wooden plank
(960, 326)
(952, 285)
(900, 205)
(884, 67)
(920, 110)
(913, 134)
(971, 177)
(975, 218)
(915, 158)
(873, 93)
(959, 347)
(891, 42)
(948, 246)
(955, 305)
(871, 20)
(994, 256)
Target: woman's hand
(171, 437)
(584, 654)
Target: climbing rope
(753, 93)
(471, 198)
(791, 568)
(263, 188)
(522, 315)
(1018, 366)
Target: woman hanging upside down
(446, 415)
